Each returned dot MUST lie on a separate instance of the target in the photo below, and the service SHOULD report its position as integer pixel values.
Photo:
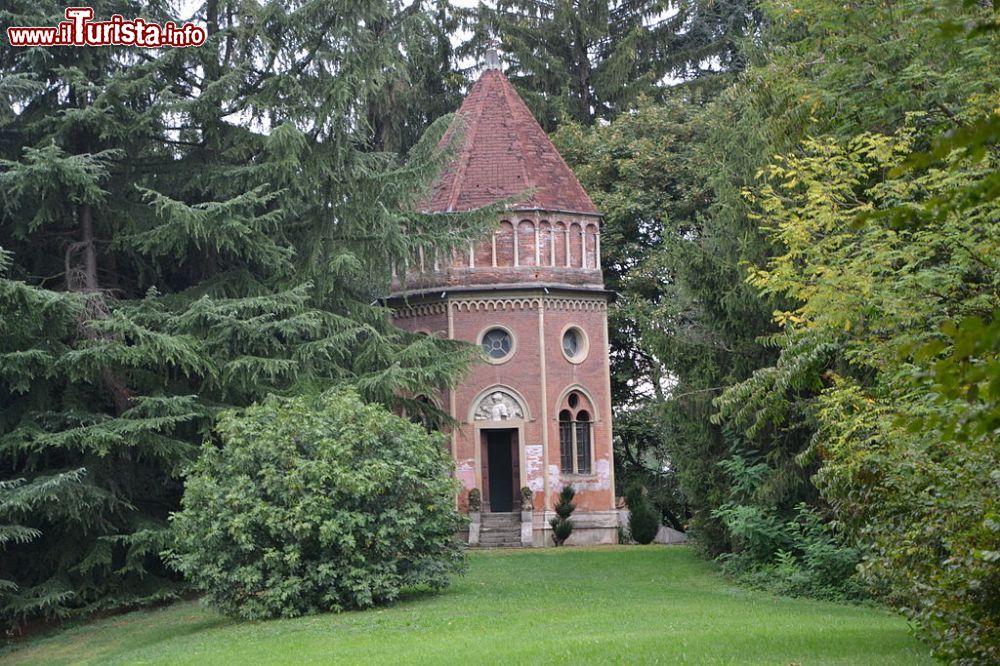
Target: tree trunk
(89, 249)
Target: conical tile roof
(505, 154)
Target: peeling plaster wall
(601, 481)
(533, 466)
(466, 472)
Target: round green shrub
(643, 522)
(316, 504)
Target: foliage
(639, 458)
(888, 249)
(427, 86)
(18, 499)
(588, 59)
(643, 175)
(668, 178)
(796, 243)
(185, 231)
(475, 499)
(643, 523)
(562, 524)
(795, 553)
(908, 461)
(313, 505)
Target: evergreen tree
(429, 85)
(642, 522)
(184, 231)
(590, 59)
(562, 523)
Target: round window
(574, 344)
(496, 343)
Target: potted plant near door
(527, 506)
(475, 515)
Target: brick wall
(520, 312)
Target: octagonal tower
(536, 411)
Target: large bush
(796, 552)
(316, 504)
(643, 523)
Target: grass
(614, 604)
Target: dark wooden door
(500, 470)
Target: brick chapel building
(536, 412)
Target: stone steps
(500, 539)
(500, 519)
(500, 530)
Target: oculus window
(575, 345)
(497, 344)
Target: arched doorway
(499, 414)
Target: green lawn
(599, 605)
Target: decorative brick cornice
(576, 304)
(420, 310)
(514, 303)
(488, 304)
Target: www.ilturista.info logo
(79, 30)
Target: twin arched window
(575, 436)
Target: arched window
(545, 252)
(460, 257)
(505, 244)
(575, 435)
(591, 246)
(483, 255)
(566, 441)
(559, 240)
(576, 246)
(526, 243)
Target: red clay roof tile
(505, 154)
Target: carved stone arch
(499, 401)
(595, 415)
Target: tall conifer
(590, 59)
(183, 231)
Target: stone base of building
(590, 528)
